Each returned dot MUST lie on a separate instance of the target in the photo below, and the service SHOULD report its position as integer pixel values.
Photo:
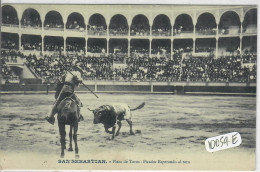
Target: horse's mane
(66, 98)
(68, 111)
(61, 105)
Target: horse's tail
(138, 107)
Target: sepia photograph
(128, 86)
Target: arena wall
(140, 87)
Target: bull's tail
(138, 107)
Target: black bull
(113, 114)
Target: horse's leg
(62, 138)
(76, 139)
(129, 121)
(119, 123)
(70, 148)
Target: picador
(65, 88)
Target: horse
(68, 115)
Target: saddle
(70, 99)
(67, 107)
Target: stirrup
(50, 120)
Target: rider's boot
(51, 119)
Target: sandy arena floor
(169, 124)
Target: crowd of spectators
(74, 25)
(187, 49)
(223, 69)
(54, 24)
(118, 49)
(249, 58)
(227, 30)
(53, 47)
(10, 20)
(203, 30)
(178, 30)
(97, 30)
(250, 55)
(8, 74)
(96, 49)
(163, 31)
(204, 49)
(31, 46)
(252, 50)
(115, 29)
(9, 44)
(10, 56)
(147, 69)
(45, 67)
(32, 22)
(140, 68)
(140, 30)
(75, 47)
(102, 68)
(6, 71)
(139, 50)
(224, 31)
(160, 50)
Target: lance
(75, 76)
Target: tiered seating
(142, 68)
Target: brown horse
(68, 115)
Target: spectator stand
(118, 26)
(9, 17)
(206, 25)
(53, 21)
(183, 26)
(75, 22)
(139, 47)
(181, 67)
(140, 26)
(97, 25)
(229, 24)
(9, 41)
(161, 26)
(250, 22)
(9, 60)
(31, 18)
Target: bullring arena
(194, 66)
